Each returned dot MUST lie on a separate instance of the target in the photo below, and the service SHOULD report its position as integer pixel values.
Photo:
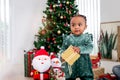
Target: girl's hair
(79, 15)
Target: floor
(108, 65)
(11, 71)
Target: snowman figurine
(56, 66)
(41, 64)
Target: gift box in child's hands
(69, 55)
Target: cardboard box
(98, 71)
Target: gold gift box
(69, 55)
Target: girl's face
(77, 25)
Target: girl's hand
(76, 49)
(62, 60)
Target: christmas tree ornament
(48, 47)
(51, 6)
(65, 24)
(43, 32)
(61, 5)
(48, 39)
(67, 2)
(50, 10)
(54, 23)
(54, 6)
(54, 42)
(53, 39)
(61, 17)
(59, 32)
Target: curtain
(91, 9)
(4, 28)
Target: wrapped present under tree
(27, 63)
(98, 72)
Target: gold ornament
(43, 32)
(54, 23)
(67, 2)
(61, 17)
(55, 42)
(54, 6)
(59, 32)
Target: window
(4, 28)
(91, 9)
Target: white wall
(110, 10)
(108, 65)
(25, 21)
(110, 15)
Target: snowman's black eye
(55, 70)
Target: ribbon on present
(27, 64)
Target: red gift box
(95, 60)
(108, 76)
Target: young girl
(82, 44)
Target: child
(82, 45)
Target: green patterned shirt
(82, 67)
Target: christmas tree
(56, 23)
